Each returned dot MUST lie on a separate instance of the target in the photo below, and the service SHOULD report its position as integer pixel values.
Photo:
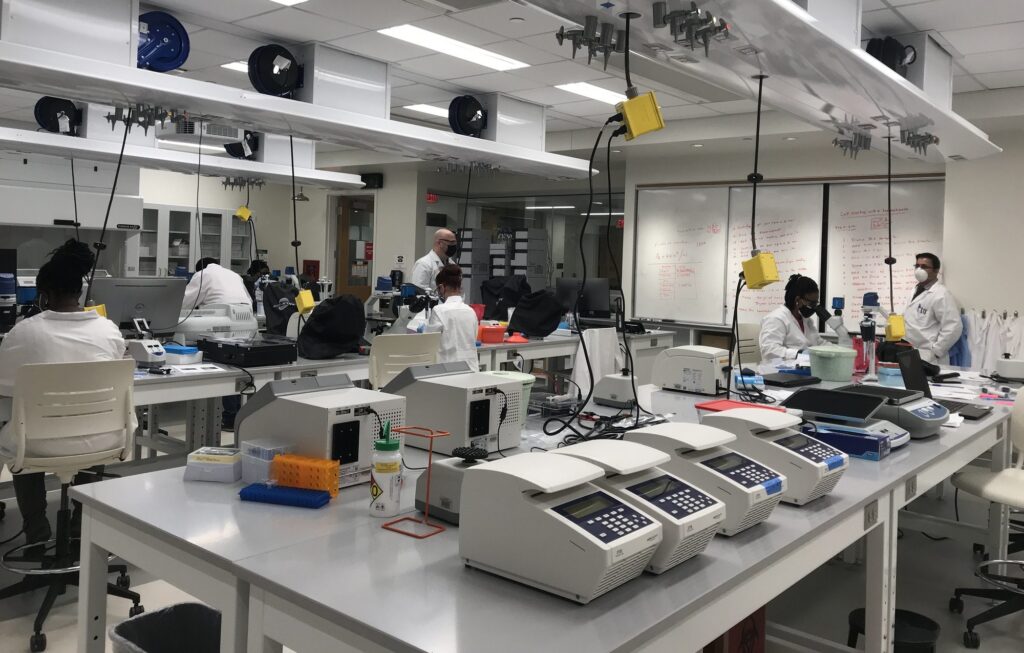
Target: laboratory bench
(333, 579)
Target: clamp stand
(427, 528)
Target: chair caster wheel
(136, 609)
(956, 605)
(124, 581)
(971, 639)
(37, 643)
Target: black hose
(755, 177)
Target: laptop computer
(914, 379)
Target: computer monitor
(158, 300)
(595, 301)
(912, 370)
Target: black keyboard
(951, 406)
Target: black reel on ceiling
(467, 116)
(246, 148)
(58, 115)
(273, 70)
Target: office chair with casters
(390, 354)
(1005, 576)
(89, 407)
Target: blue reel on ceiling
(163, 42)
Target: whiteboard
(788, 226)
(680, 252)
(858, 238)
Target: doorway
(355, 246)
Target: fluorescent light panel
(451, 47)
(194, 146)
(545, 208)
(239, 66)
(288, 3)
(593, 92)
(426, 108)
(605, 213)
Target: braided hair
(61, 276)
(798, 286)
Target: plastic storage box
(832, 362)
(257, 456)
(182, 355)
(217, 464)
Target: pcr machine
(324, 417)
(537, 519)
(908, 409)
(479, 410)
(749, 490)
(693, 368)
(813, 468)
(689, 518)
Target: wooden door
(355, 246)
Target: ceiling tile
(398, 82)
(523, 52)
(884, 22)
(966, 84)
(496, 82)
(459, 31)
(442, 66)
(1002, 80)
(547, 43)
(986, 39)
(512, 19)
(586, 108)
(993, 62)
(421, 93)
(561, 72)
(547, 95)
(669, 100)
(871, 5)
(735, 106)
(945, 15)
(227, 11)
(371, 14)
(235, 47)
(300, 26)
(687, 111)
(378, 46)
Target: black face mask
(808, 311)
(451, 250)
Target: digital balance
(688, 516)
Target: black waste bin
(191, 627)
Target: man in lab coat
(425, 270)
(933, 315)
(213, 284)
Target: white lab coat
(782, 337)
(458, 331)
(215, 285)
(933, 323)
(52, 337)
(425, 269)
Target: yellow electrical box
(99, 308)
(760, 270)
(641, 115)
(304, 302)
(896, 328)
(243, 213)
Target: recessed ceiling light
(697, 145)
(789, 138)
(451, 47)
(593, 92)
(239, 66)
(545, 208)
(617, 151)
(426, 108)
(288, 3)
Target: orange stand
(430, 529)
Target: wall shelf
(53, 73)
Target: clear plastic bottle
(386, 475)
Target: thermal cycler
(813, 468)
(537, 519)
(749, 489)
(479, 410)
(908, 409)
(693, 368)
(689, 517)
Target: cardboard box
(748, 636)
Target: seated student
(61, 333)
(457, 320)
(791, 329)
(213, 284)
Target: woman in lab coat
(790, 329)
(61, 333)
(457, 320)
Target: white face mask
(921, 275)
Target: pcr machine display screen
(584, 509)
(726, 463)
(795, 442)
(658, 486)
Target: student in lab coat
(213, 284)
(424, 271)
(932, 316)
(457, 320)
(790, 329)
(61, 333)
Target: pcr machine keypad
(672, 496)
(603, 516)
(742, 470)
(812, 450)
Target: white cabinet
(171, 238)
